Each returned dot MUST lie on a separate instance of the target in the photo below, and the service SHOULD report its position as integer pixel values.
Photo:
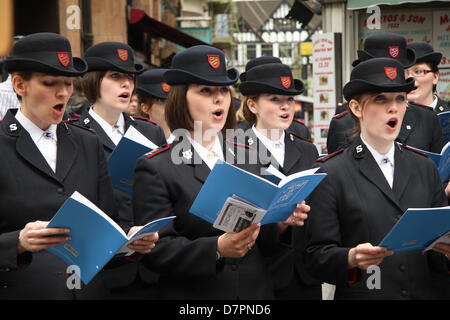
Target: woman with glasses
(426, 76)
(420, 127)
(368, 187)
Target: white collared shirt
(385, 162)
(208, 156)
(434, 103)
(276, 147)
(46, 141)
(115, 132)
(170, 138)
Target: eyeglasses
(416, 73)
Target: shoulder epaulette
(340, 115)
(239, 144)
(144, 119)
(79, 126)
(414, 150)
(300, 121)
(329, 156)
(300, 137)
(156, 151)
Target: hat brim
(22, 64)
(355, 87)
(409, 62)
(100, 64)
(434, 57)
(254, 87)
(151, 94)
(178, 76)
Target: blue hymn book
(95, 237)
(417, 228)
(278, 200)
(122, 160)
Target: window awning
(158, 29)
(362, 4)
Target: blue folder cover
(95, 238)
(417, 228)
(441, 160)
(444, 120)
(226, 180)
(122, 161)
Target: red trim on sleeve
(352, 276)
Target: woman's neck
(381, 146)
(272, 134)
(427, 101)
(110, 115)
(206, 140)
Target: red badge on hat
(391, 72)
(214, 60)
(165, 87)
(123, 54)
(64, 58)
(285, 82)
(394, 51)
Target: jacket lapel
(370, 169)
(25, 146)
(66, 153)
(89, 122)
(190, 157)
(292, 153)
(401, 173)
(265, 157)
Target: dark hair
(435, 69)
(144, 100)
(361, 99)
(249, 116)
(177, 111)
(91, 84)
(25, 75)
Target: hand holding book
(297, 218)
(142, 245)
(35, 237)
(237, 244)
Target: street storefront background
(324, 86)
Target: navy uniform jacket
(354, 204)
(300, 154)
(420, 129)
(124, 273)
(31, 191)
(340, 131)
(185, 254)
(442, 106)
